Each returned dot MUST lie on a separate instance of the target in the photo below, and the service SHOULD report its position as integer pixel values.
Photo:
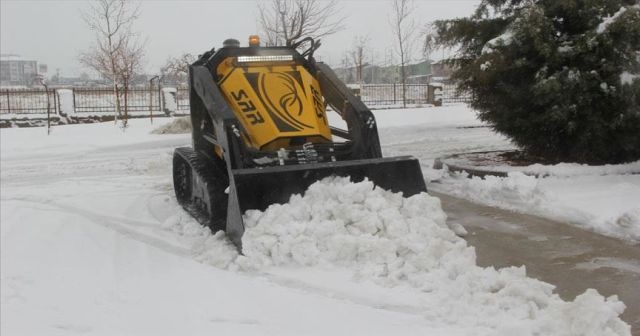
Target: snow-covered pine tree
(561, 78)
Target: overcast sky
(53, 32)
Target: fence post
(56, 102)
(150, 102)
(394, 93)
(8, 103)
(46, 92)
(160, 97)
(436, 98)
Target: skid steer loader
(261, 133)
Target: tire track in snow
(297, 284)
(128, 228)
(115, 224)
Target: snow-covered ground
(93, 242)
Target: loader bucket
(259, 188)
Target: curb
(57, 120)
(440, 162)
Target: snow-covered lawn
(93, 242)
(605, 199)
(608, 204)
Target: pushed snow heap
(354, 224)
(176, 126)
(397, 241)
(405, 245)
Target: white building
(15, 71)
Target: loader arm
(359, 119)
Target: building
(441, 72)
(15, 71)
(418, 73)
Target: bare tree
(403, 28)
(176, 69)
(115, 44)
(358, 54)
(129, 63)
(285, 22)
(346, 65)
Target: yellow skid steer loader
(261, 133)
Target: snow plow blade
(259, 188)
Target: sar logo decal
(283, 96)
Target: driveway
(572, 259)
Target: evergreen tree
(561, 78)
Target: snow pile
(405, 243)
(516, 190)
(629, 221)
(65, 97)
(176, 126)
(493, 161)
(601, 198)
(576, 169)
(169, 98)
(347, 224)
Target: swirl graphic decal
(281, 92)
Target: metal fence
(28, 101)
(88, 100)
(391, 94)
(142, 100)
(182, 99)
(451, 94)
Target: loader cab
(256, 106)
(273, 94)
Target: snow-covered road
(93, 242)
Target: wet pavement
(570, 258)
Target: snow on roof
(10, 57)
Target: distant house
(419, 73)
(441, 72)
(428, 72)
(15, 71)
(423, 72)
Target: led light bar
(266, 58)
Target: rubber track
(210, 174)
